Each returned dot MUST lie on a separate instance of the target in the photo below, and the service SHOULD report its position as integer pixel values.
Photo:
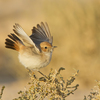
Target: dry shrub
(95, 94)
(53, 86)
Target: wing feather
(25, 38)
(41, 33)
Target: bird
(34, 51)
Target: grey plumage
(41, 33)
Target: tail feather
(9, 44)
(14, 42)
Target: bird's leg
(43, 74)
(30, 72)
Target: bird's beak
(54, 46)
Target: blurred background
(75, 26)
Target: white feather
(25, 38)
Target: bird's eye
(45, 47)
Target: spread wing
(41, 33)
(25, 38)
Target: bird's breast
(34, 61)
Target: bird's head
(46, 47)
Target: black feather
(12, 43)
(9, 44)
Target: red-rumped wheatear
(35, 51)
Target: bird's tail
(13, 42)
